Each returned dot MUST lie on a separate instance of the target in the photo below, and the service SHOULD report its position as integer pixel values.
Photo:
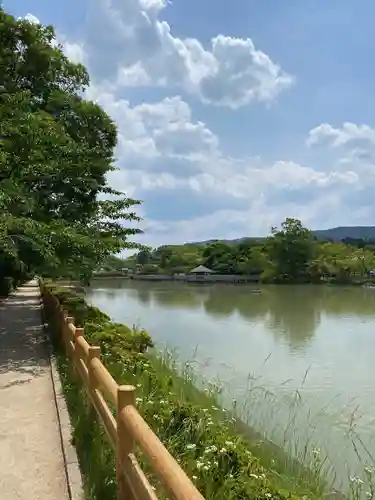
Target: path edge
(71, 463)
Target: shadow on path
(22, 341)
(31, 460)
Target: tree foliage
(290, 250)
(58, 214)
(290, 254)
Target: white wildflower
(191, 446)
(210, 449)
(356, 480)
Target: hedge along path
(128, 428)
(31, 459)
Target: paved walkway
(31, 459)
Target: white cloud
(192, 190)
(125, 40)
(186, 139)
(151, 135)
(337, 137)
(255, 220)
(164, 148)
(133, 76)
(31, 18)
(242, 74)
(73, 51)
(153, 4)
(246, 197)
(170, 160)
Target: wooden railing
(126, 428)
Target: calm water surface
(299, 360)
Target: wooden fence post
(94, 352)
(65, 321)
(53, 310)
(125, 443)
(65, 316)
(77, 354)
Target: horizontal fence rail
(125, 429)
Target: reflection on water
(290, 311)
(318, 339)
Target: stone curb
(72, 470)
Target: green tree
(164, 253)
(290, 250)
(113, 263)
(56, 149)
(255, 261)
(177, 258)
(345, 262)
(220, 257)
(143, 256)
(150, 269)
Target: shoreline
(228, 280)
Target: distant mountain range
(335, 233)
(342, 232)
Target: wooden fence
(126, 428)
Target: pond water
(298, 360)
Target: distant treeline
(290, 254)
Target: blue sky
(231, 115)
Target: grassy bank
(222, 458)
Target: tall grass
(290, 435)
(285, 471)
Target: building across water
(200, 274)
